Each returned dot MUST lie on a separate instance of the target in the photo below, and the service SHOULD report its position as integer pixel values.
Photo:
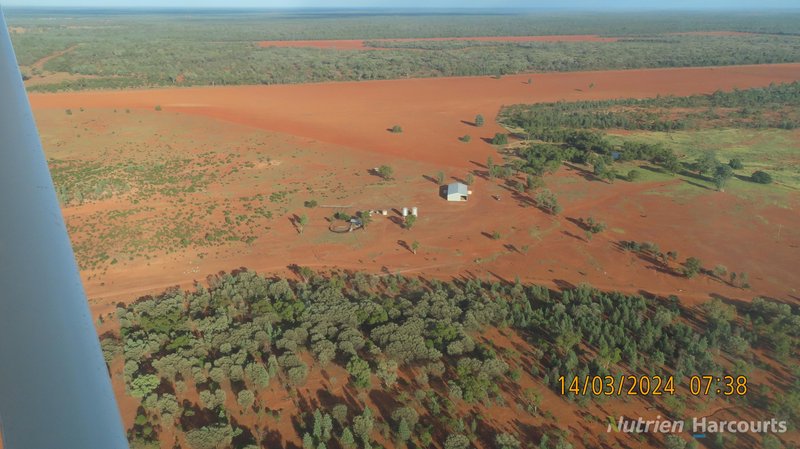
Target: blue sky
(489, 4)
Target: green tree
(365, 217)
(674, 442)
(386, 172)
(633, 175)
(414, 246)
(257, 374)
(272, 366)
(317, 427)
(210, 437)
(168, 404)
(469, 180)
(302, 221)
(736, 164)
(562, 443)
(407, 414)
(456, 441)
(671, 164)
(506, 441)
(297, 374)
(410, 221)
(479, 120)
(363, 424)
(397, 129)
(403, 432)
(593, 226)
(347, 440)
(308, 441)
(440, 178)
(771, 442)
(761, 177)
(533, 182)
(707, 162)
(500, 139)
(360, 372)
(722, 173)
(387, 371)
(245, 398)
(142, 386)
(327, 427)
(691, 267)
(325, 350)
(599, 168)
(339, 413)
(466, 138)
(547, 201)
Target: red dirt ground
(358, 44)
(434, 112)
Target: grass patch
(774, 151)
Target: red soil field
(354, 117)
(357, 114)
(358, 44)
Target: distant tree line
(124, 52)
(776, 106)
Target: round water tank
(405, 212)
(414, 211)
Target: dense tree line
(123, 51)
(158, 63)
(253, 25)
(246, 332)
(590, 147)
(776, 106)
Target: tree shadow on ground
(575, 236)
(403, 244)
(585, 174)
(431, 179)
(563, 285)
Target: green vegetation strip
(141, 50)
(247, 332)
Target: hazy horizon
(593, 5)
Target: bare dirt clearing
(328, 136)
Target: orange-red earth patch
(351, 120)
